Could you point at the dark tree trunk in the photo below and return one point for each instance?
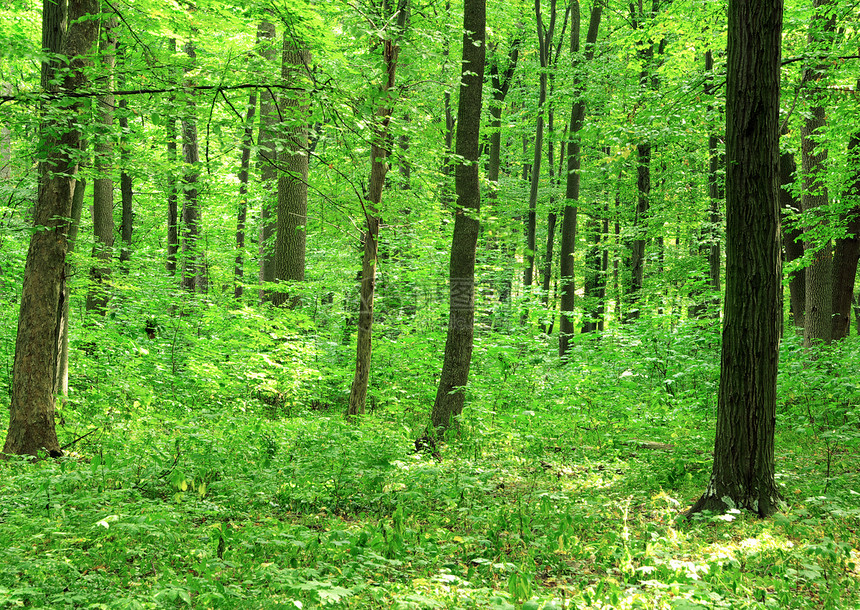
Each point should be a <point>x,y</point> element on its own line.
<point>450,395</point>
<point>574,148</point>
<point>847,252</point>
<point>125,181</point>
<point>791,237</point>
<point>172,190</point>
<point>242,214</point>
<point>34,370</point>
<point>193,268</point>
<point>743,470</point>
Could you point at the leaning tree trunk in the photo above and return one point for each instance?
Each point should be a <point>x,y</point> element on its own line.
<point>743,469</point>
<point>34,370</point>
<point>379,153</point>
<point>450,396</point>
<point>293,179</point>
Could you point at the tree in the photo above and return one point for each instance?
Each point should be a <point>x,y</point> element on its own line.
<point>743,469</point>
<point>450,396</point>
<point>267,158</point>
<point>66,32</point>
<point>292,213</point>
<point>574,162</point>
<point>103,227</point>
<point>242,214</point>
<point>818,325</point>
<point>846,252</point>
<point>379,152</point>
<point>193,268</point>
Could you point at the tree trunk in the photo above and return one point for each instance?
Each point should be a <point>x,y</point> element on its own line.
<point>172,190</point>
<point>379,154</point>
<point>125,182</point>
<point>34,382</point>
<point>450,395</point>
<point>242,214</point>
<point>818,323</point>
<point>103,227</point>
<point>193,269</point>
<point>743,469</point>
<point>792,236</point>
<point>293,176</point>
<point>267,159</point>
<point>577,116</point>
<point>847,252</point>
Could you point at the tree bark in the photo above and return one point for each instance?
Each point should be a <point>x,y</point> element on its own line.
<point>450,395</point>
<point>847,251</point>
<point>34,371</point>
<point>242,214</point>
<point>103,226</point>
<point>172,190</point>
<point>292,214</point>
<point>193,268</point>
<point>125,181</point>
<point>818,323</point>
<point>379,153</point>
<point>743,469</point>
<point>791,237</point>
<point>267,159</point>
<point>574,161</point>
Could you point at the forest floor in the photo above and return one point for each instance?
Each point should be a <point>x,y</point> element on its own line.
<point>523,509</point>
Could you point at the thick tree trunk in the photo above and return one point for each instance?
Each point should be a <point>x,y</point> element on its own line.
<point>34,371</point>
<point>450,395</point>
<point>242,214</point>
<point>574,148</point>
<point>379,154</point>
<point>267,159</point>
<point>103,226</point>
<point>293,178</point>
<point>791,237</point>
<point>743,470</point>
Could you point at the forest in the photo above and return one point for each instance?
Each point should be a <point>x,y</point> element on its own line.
<point>430,304</point>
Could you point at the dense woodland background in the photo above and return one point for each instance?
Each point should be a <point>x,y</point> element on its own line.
<point>245,167</point>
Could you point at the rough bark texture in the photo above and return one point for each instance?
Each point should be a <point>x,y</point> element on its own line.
<point>32,408</point>
<point>103,228</point>
<point>791,237</point>
<point>574,148</point>
<point>450,395</point>
<point>267,159</point>
<point>172,191</point>
<point>743,470</point>
<point>242,214</point>
<point>847,252</point>
<point>818,323</point>
<point>292,214</point>
<point>379,154</point>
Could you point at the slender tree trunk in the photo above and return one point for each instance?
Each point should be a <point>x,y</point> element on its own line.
<point>574,161</point>
<point>34,370</point>
<point>847,251</point>
<point>450,395</point>
<point>379,154</point>
<point>242,214</point>
<point>743,470</point>
<point>5,142</point>
<point>193,268</point>
<point>103,226</point>
<point>716,193</point>
<point>172,190</point>
<point>125,181</point>
<point>267,159</point>
<point>792,237</point>
<point>818,323</point>
<point>293,178</point>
